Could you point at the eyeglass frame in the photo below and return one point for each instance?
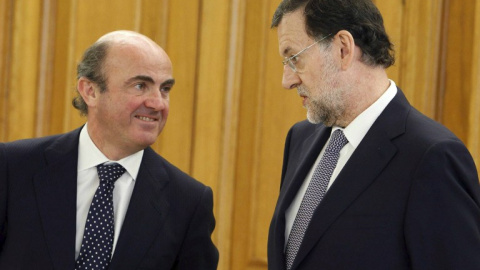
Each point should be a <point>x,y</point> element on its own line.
<point>288,60</point>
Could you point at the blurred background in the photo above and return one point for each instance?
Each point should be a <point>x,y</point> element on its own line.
<point>228,113</point>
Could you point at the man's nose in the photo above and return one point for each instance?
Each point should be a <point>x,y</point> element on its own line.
<point>156,100</point>
<point>290,79</point>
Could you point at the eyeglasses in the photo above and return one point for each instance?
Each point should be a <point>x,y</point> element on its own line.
<point>292,60</point>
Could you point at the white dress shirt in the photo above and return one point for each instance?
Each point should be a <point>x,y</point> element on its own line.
<point>354,132</point>
<point>89,156</point>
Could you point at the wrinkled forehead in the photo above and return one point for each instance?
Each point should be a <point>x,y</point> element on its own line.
<point>292,33</point>
<point>128,60</point>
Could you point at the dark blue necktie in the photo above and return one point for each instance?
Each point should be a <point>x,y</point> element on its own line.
<point>97,243</point>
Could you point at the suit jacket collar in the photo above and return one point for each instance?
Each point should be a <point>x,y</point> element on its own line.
<point>311,146</point>
<point>369,159</point>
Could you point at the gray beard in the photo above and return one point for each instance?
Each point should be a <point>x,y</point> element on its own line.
<point>323,114</point>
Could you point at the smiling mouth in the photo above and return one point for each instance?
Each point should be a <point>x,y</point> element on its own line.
<point>147,119</point>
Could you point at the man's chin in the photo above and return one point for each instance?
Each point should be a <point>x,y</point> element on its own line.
<point>313,119</point>
<point>146,139</point>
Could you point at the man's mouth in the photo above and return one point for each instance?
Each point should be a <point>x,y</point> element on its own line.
<point>145,118</point>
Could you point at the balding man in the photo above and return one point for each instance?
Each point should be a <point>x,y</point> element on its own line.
<point>99,197</point>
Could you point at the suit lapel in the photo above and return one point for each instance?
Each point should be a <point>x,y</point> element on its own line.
<point>362,169</point>
<point>359,173</point>
<point>145,215</point>
<point>311,146</point>
<point>56,188</point>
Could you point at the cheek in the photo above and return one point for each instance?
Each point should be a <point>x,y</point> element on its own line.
<point>165,108</point>
<point>131,104</point>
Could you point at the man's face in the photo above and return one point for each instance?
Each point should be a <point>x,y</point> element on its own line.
<point>318,77</point>
<point>133,110</point>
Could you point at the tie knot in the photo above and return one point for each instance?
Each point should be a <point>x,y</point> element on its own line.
<point>338,139</point>
<point>110,172</point>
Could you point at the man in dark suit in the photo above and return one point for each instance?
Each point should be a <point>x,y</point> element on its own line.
<point>163,219</point>
<point>368,182</point>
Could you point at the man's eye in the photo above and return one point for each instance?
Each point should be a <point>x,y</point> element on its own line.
<point>294,59</point>
<point>166,89</point>
<point>140,86</point>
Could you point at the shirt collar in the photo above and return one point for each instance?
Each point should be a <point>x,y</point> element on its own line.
<point>90,156</point>
<point>359,127</point>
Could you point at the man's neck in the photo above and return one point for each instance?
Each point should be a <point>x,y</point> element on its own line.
<point>368,85</point>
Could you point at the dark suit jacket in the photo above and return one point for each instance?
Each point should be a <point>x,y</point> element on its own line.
<point>408,198</point>
<point>167,225</point>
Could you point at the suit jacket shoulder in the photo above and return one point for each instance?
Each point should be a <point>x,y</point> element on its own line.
<point>169,221</point>
<point>39,176</point>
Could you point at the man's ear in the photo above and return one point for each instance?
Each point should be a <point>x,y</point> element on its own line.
<point>347,48</point>
<point>87,88</point>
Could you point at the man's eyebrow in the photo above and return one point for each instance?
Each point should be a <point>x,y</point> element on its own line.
<point>140,78</point>
<point>149,80</point>
<point>170,82</point>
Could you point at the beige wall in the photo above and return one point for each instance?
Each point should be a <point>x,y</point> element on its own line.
<point>229,115</point>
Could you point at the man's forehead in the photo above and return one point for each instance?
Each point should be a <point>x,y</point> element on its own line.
<point>133,65</point>
<point>137,53</point>
<point>132,43</point>
<point>291,32</point>
<point>293,20</point>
